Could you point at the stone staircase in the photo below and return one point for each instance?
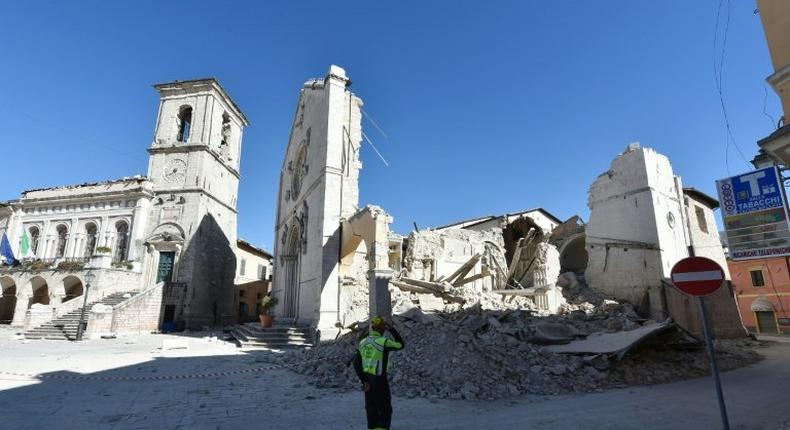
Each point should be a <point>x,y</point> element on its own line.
<point>281,336</point>
<point>65,327</point>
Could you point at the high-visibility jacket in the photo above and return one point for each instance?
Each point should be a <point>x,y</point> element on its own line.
<point>372,351</point>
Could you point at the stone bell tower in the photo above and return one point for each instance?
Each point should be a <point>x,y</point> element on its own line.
<point>194,167</point>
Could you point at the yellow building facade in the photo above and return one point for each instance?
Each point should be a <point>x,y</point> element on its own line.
<point>775,15</point>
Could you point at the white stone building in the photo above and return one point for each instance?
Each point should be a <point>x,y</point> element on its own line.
<point>171,234</point>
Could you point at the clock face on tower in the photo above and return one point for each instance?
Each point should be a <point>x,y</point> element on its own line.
<point>175,171</point>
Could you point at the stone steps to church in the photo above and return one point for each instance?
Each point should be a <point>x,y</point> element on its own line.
<point>281,338</point>
<point>257,330</point>
<point>65,327</point>
<point>274,337</point>
<point>34,337</point>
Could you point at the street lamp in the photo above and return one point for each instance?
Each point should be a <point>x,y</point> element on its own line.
<point>89,277</point>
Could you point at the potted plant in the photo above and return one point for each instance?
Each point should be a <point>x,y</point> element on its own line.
<point>267,302</point>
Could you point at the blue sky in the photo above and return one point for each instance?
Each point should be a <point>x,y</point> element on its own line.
<point>489,107</point>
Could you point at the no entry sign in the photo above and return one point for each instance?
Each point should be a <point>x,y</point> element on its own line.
<point>697,276</point>
<point>700,276</point>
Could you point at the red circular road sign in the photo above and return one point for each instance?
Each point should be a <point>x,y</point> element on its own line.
<point>697,276</point>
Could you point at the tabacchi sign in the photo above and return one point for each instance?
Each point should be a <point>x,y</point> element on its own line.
<point>755,214</point>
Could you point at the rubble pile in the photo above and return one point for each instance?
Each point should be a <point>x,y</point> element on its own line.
<point>409,293</point>
<point>491,354</point>
<point>484,318</point>
<point>578,296</point>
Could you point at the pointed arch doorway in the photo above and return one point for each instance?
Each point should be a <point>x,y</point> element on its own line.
<point>291,266</point>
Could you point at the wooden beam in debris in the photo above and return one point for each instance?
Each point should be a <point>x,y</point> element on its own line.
<point>418,289</point>
<point>516,257</point>
<point>525,292</point>
<point>464,269</point>
<point>410,288</point>
<point>500,276</point>
<point>472,278</point>
<point>433,286</point>
<point>526,251</point>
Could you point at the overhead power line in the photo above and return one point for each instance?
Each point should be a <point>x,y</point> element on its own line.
<point>374,148</point>
<point>372,121</point>
<point>71,133</point>
<point>718,70</point>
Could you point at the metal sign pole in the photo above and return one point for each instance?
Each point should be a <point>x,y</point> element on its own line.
<point>713,363</point>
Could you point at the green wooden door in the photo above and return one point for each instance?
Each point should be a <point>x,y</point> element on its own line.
<point>766,322</point>
<point>165,271</point>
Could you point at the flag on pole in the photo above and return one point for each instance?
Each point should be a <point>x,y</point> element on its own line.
<point>25,250</point>
<point>6,254</point>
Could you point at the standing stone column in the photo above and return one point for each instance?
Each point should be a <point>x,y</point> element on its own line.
<point>380,300</point>
<point>102,239</point>
<point>43,241</point>
<point>71,241</point>
<point>138,227</point>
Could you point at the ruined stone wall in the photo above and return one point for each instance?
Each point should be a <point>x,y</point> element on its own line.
<point>544,222</point>
<point>639,229</point>
<point>635,233</point>
<point>431,255</point>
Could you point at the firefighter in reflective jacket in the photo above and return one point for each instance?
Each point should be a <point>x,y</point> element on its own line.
<point>371,366</point>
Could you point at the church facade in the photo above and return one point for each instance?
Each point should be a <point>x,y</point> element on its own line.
<point>175,227</point>
<point>331,255</point>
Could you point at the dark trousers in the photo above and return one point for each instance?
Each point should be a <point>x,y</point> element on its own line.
<point>378,402</point>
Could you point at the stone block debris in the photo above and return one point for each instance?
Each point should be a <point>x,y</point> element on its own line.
<point>617,343</point>
<point>169,344</point>
<point>486,354</point>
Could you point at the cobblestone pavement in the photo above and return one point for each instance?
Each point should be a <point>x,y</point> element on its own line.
<point>136,392</point>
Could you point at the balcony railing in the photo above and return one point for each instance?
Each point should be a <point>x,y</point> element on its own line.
<point>30,265</point>
<point>76,259</point>
<point>123,264</point>
<point>63,263</point>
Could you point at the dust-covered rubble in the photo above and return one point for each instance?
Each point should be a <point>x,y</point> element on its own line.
<point>477,328</point>
<point>476,353</point>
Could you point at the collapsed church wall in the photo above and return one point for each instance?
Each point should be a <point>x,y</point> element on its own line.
<point>457,268</point>
<point>434,255</point>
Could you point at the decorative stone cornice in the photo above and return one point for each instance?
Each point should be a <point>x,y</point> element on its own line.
<point>780,77</point>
